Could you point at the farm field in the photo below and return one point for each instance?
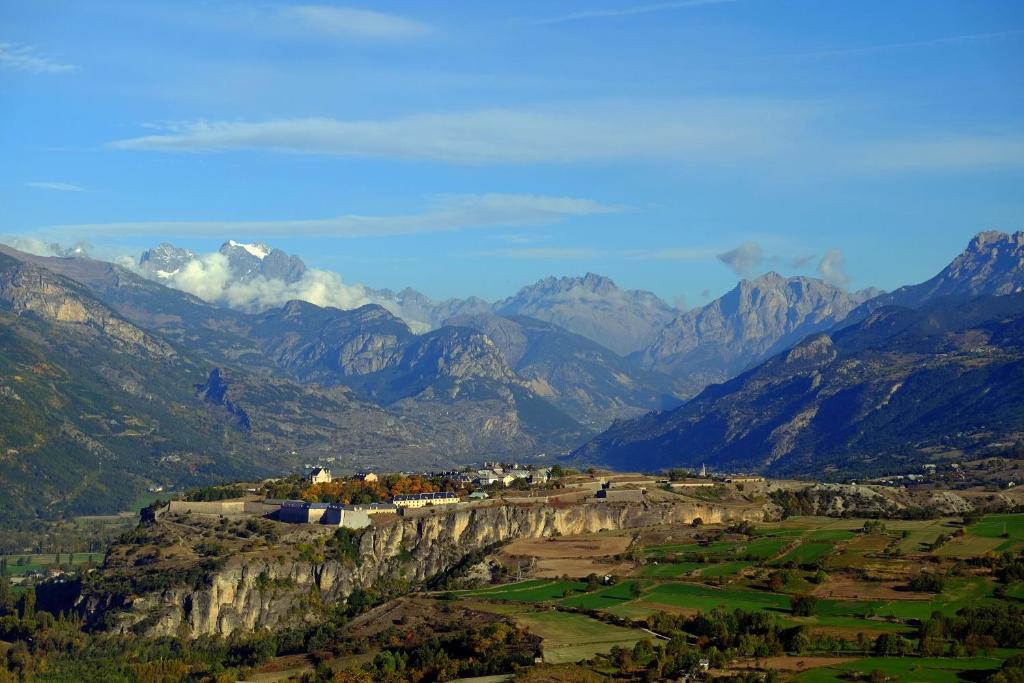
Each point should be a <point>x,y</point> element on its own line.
<point>30,563</point>
<point>862,590</point>
<point>669,570</point>
<point>806,553</point>
<point>904,669</point>
<point>1008,528</point>
<point>699,597</point>
<point>527,591</point>
<point>573,637</point>
<point>605,598</point>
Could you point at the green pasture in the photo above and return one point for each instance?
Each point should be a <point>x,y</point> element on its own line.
<point>712,571</point>
<point>41,562</point>
<point>905,669</point>
<point>570,637</point>
<point>603,598</point>
<point>669,570</point>
<point>527,591</point>
<point>700,597</point>
<point>806,553</point>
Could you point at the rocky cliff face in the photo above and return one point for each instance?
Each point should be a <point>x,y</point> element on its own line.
<point>27,288</point>
<point>751,322</point>
<point>992,263</point>
<point>594,307</point>
<point>591,383</point>
<point>257,590</point>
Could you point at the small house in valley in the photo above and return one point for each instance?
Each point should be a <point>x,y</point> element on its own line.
<point>320,475</point>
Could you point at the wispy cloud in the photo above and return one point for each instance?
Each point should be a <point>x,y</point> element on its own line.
<point>745,260</point>
<point>943,152</point>
<point>711,130</point>
<point>832,268</point>
<point>350,22</point>
<point>933,42</point>
<point>448,213</point>
<point>633,10</point>
<point>60,187</point>
<point>23,58</point>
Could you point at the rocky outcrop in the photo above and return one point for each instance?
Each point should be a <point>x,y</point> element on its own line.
<point>751,322</point>
<point>992,263</point>
<point>27,288</point>
<point>594,307</point>
<point>874,398</point>
<point>258,590</point>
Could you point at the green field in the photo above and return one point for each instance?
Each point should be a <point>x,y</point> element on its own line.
<point>670,570</point>
<point>537,590</point>
<point>957,594</point>
<point>831,535</point>
<point>604,598</point>
<point>699,597</point>
<point>712,571</point>
<point>759,549</point>
<point>1009,527</point>
<point>41,562</point>
<point>572,637</point>
<point>806,553</point>
<point>904,669</point>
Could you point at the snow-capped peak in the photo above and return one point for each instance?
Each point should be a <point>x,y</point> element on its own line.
<point>258,250</point>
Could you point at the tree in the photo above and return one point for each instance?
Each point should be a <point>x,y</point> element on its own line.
<point>803,605</point>
<point>890,645</point>
<point>27,609</point>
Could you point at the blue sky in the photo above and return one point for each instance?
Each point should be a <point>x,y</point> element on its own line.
<point>469,148</point>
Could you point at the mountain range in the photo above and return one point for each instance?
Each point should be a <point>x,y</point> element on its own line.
<point>930,368</point>
<point>111,380</point>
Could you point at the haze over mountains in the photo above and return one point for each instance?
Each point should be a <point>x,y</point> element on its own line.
<point>131,382</point>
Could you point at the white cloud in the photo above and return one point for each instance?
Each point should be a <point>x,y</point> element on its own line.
<point>350,22</point>
<point>60,187</point>
<point>630,11</point>
<point>708,130</point>
<point>209,277</point>
<point>944,152</point>
<point>448,213</point>
<point>832,268</point>
<point>23,58</point>
<point>745,259</point>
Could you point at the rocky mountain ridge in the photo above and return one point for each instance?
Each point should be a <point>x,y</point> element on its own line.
<point>754,320</point>
<point>874,397</point>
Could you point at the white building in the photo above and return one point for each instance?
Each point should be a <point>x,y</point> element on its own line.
<point>418,500</point>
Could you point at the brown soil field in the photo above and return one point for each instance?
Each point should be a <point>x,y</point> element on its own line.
<point>847,588</point>
<point>568,547</point>
<point>872,543</point>
<point>552,568</point>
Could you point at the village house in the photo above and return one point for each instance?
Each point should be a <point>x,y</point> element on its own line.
<point>320,475</point>
<point>366,476</point>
